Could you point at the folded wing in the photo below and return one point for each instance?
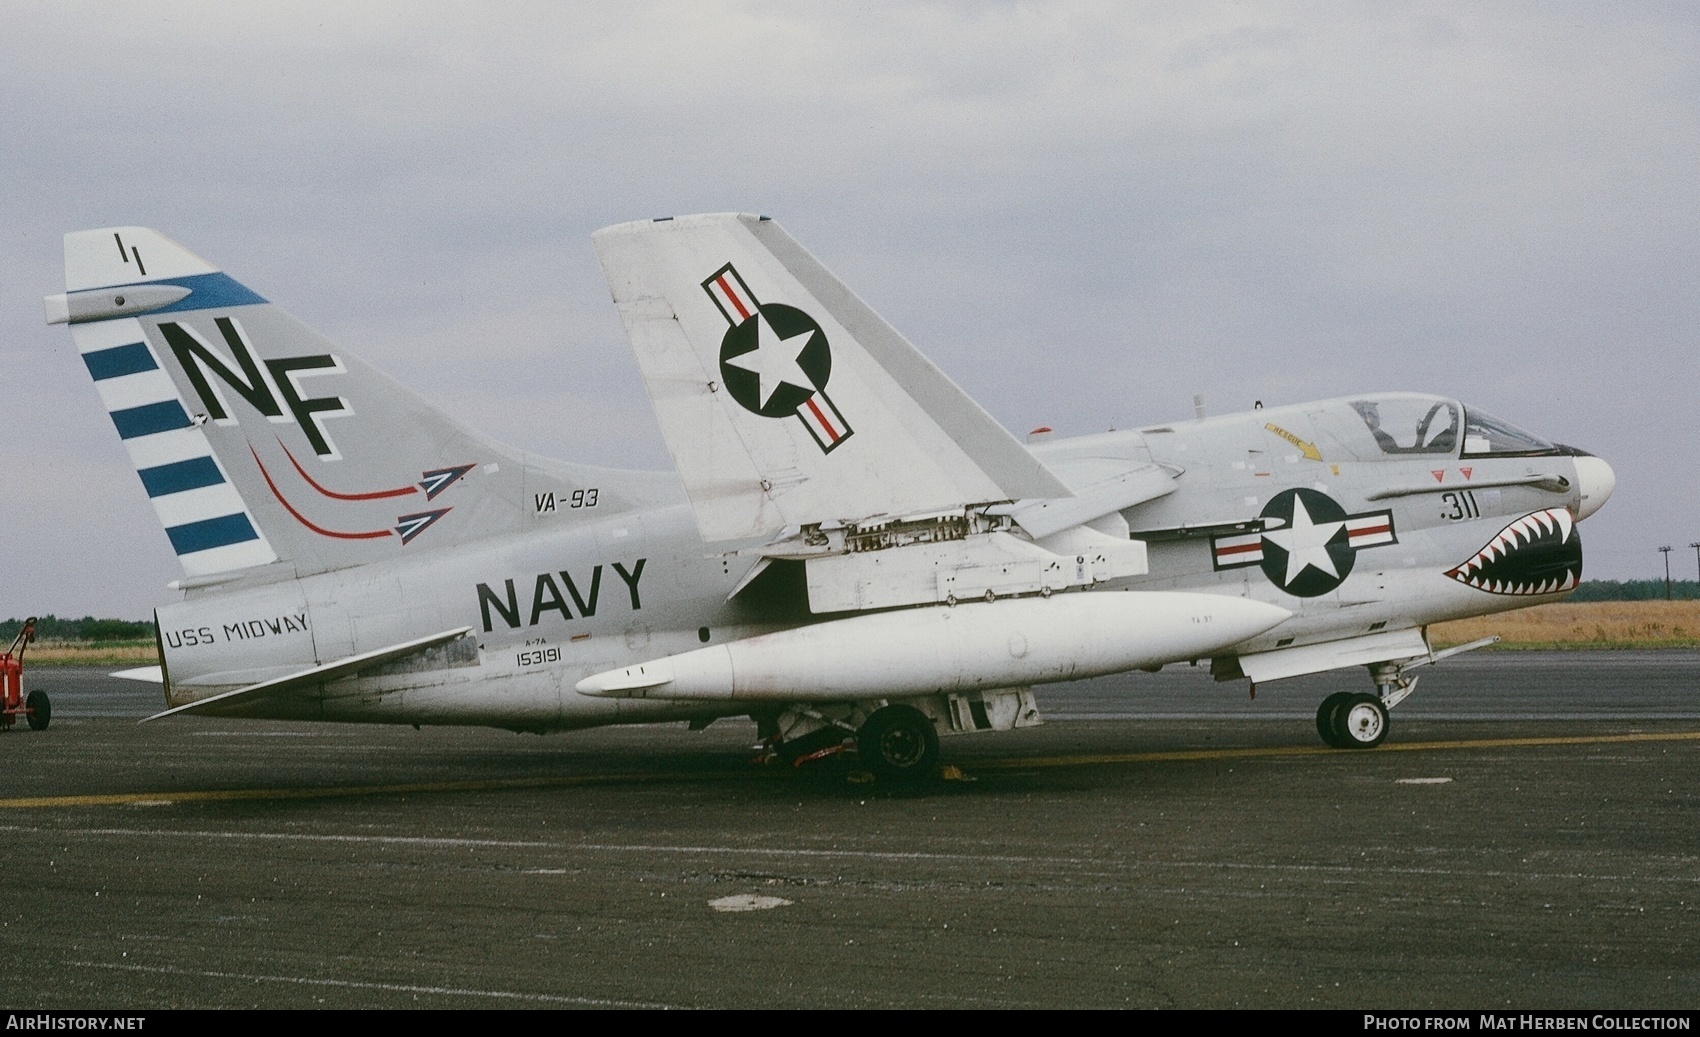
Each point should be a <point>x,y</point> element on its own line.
<point>784,399</point>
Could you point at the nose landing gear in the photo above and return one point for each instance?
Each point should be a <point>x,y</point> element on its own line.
<point>1358,720</point>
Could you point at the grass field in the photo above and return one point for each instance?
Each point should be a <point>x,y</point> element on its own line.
<point>1579,625</point>
<point>116,654</point>
<point>1582,625</point>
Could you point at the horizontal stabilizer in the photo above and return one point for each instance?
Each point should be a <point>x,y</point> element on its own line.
<point>785,399</point>
<point>318,674</point>
<point>147,674</point>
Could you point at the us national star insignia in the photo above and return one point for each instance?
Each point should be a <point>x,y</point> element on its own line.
<point>1308,544</point>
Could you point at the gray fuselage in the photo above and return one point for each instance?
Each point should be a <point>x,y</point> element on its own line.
<point>550,607</point>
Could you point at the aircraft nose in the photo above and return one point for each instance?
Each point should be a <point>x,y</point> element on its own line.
<point>1597,481</point>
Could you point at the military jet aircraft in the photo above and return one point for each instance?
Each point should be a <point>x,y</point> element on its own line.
<point>852,552</point>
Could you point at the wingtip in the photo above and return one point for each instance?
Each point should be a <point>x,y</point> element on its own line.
<point>667,223</point>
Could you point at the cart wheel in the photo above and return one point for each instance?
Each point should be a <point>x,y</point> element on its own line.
<point>40,710</point>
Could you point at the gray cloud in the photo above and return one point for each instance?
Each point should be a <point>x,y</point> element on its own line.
<point>1084,212</point>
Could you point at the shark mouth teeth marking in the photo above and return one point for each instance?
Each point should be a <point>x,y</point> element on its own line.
<point>1540,553</point>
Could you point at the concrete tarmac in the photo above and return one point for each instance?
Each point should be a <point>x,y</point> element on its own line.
<point>1527,838</point>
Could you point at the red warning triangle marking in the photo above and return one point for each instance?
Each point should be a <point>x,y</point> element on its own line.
<point>1438,473</point>
<point>1466,472</point>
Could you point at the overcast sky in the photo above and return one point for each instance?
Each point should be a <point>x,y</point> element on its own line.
<point>1083,212</point>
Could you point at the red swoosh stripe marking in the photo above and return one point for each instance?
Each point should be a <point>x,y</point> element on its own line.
<point>376,495</point>
<point>322,531</point>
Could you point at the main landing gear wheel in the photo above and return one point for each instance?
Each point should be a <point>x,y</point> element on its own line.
<point>41,710</point>
<point>898,743</point>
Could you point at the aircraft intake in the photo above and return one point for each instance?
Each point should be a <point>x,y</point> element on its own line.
<point>942,650</point>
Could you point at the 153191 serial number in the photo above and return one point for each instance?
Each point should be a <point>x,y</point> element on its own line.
<point>538,656</point>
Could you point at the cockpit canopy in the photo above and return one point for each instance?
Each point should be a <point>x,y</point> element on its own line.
<point>1413,424</point>
<point>1485,434</point>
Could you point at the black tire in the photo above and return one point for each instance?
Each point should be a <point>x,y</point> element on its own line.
<point>1360,722</point>
<point>41,710</point>
<point>1325,718</point>
<point>899,743</point>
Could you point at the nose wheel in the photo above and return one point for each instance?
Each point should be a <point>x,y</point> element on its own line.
<point>1352,720</point>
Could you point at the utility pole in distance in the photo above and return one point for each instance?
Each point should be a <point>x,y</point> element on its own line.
<point>1666,552</point>
<point>1696,547</point>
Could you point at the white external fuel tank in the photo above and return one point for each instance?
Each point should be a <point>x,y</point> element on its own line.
<point>942,649</point>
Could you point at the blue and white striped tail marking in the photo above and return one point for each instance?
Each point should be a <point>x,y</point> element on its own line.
<point>209,526</point>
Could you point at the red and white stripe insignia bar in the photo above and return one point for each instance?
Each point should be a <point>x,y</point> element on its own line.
<point>729,292</point>
<point>823,421</point>
<point>1233,552</point>
<point>1370,530</point>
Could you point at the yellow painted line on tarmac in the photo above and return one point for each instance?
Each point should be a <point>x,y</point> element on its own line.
<point>333,792</point>
<point>567,781</point>
<point>1088,760</point>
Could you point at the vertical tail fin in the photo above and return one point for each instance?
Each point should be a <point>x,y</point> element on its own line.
<point>259,442</point>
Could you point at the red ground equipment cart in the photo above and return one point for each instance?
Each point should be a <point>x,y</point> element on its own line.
<point>13,703</point>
